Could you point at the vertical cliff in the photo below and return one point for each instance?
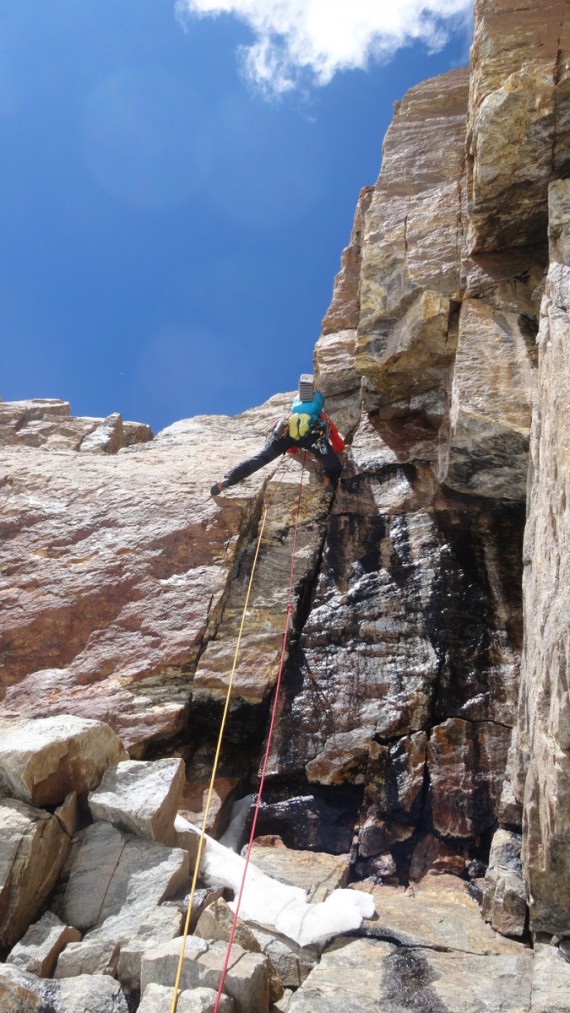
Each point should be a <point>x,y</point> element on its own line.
<point>543,731</point>
<point>440,334</point>
<point>420,584</point>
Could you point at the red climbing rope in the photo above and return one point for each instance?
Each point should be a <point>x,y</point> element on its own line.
<point>268,743</point>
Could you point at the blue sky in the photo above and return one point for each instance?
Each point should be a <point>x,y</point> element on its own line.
<point>177,183</point>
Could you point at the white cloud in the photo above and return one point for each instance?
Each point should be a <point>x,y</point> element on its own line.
<point>318,38</point>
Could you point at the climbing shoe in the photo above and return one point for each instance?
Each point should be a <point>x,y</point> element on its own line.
<point>218,487</point>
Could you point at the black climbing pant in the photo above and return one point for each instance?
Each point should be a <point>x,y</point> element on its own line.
<point>275,446</point>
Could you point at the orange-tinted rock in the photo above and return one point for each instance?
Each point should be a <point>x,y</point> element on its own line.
<point>466,761</point>
<point>434,856</point>
<point>195,797</point>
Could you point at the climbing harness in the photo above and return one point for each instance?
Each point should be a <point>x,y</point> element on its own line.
<point>219,747</point>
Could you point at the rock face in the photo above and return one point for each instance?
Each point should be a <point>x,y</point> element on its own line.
<point>423,724</point>
<point>117,568</point>
<point>519,124</point>
<point>543,731</point>
<point>405,678</point>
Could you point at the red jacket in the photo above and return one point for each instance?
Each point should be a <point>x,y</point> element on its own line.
<point>335,439</point>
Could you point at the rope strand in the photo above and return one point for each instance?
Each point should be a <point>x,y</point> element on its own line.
<point>215,769</point>
<point>268,744</point>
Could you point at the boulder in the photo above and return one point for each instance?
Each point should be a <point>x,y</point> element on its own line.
<point>90,994</point>
<point>217,922</point>
<point>40,947</point>
<point>112,871</point>
<point>45,759</point>
<point>160,924</point>
<point>504,892</point>
<point>96,954</point>
<point>19,991</point>
<point>140,797</point>
<point>315,872</point>
<point>246,980</point>
<point>107,438</point>
<point>158,999</point>
<point>34,849</point>
<point>117,945</point>
<point>22,992</point>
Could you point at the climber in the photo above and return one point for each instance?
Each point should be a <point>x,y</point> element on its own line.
<point>307,427</point>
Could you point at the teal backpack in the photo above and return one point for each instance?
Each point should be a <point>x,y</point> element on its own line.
<point>305,418</point>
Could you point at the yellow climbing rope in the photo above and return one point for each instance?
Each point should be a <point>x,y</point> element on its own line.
<point>269,739</point>
<point>215,767</point>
